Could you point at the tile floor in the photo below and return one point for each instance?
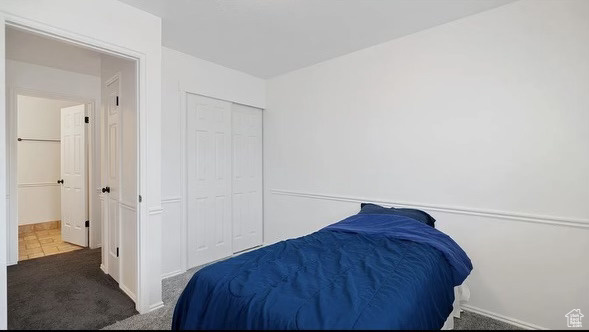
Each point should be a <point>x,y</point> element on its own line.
<point>34,242</point>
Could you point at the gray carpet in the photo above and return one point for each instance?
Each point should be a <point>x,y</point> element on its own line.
<point>471,321</point>
<point>161,319</point>
<point>66,291</point>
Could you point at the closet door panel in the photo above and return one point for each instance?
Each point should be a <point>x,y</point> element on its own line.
<point>208,152</point>
<point>247,177</point>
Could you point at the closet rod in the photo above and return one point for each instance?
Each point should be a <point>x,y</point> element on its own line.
<point>38,140</point>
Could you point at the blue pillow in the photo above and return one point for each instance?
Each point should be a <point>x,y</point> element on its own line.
<point>421,216</point>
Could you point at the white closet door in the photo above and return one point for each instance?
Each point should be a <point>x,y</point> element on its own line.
<point>247,177</point>
<point>209,179</point>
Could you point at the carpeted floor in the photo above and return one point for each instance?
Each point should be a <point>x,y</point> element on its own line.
<point>161,319</point>
<point>471,321</point>
<point>66,291</point>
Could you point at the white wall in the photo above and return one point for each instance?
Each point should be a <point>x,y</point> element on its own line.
<point>39,78</point>
<point>481,121</point>
<point>38,164</point>
<point>181,73</point>
<point>120,28</point>
<point>126,70</point>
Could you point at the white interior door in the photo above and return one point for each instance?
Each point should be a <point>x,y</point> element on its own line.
<point>112,176</point>
<point>247,177</point>
<point>209,179</point>
<point>74,192</point>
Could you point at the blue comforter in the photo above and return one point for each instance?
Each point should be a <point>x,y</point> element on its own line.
<point>365,272</point>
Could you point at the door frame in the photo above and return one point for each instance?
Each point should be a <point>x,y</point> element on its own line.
<point>144,281</point>
<point>12,171</point>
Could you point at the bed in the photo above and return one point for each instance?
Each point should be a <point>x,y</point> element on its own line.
<point>368,271</point>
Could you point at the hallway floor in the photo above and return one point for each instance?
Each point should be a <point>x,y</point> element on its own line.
<point>39,240</point>
<point>67,291</point>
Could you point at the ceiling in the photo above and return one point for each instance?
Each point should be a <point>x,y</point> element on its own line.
<point>36,49</point>
<point>267,38</point>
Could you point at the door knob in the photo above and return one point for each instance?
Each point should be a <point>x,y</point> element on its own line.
<point>106,190</point>
<point>60,181</point>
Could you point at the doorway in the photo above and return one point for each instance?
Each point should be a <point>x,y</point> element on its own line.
<point>93,173</point>
<point>52,176</point>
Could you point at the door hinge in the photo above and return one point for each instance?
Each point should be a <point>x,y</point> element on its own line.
<point>117,100</point>
<point>87,119</point>
<point>140,199</point>
<point>117,251</point>
<point>87,223</point>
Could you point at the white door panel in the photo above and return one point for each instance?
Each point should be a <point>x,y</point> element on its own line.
<point>112,178</point>
<point>74,207</point>
<point>208,152</point>
<point>247,177</point>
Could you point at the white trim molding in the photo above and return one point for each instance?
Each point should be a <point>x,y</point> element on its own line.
<point>524,217</point>
<point>156,306</point>
<point>38,184</point>
<point>155,210</point>
<point>128,292</point>
<point>170,200</point>
<point>127,206</point>
<point>172,274</point>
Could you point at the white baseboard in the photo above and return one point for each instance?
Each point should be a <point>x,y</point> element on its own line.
<point>103,268</point>
<point>220,259</point>
<point>128,292</point>
<point>248,250</point>
<point>502,318</point>
<point>172,274</point>
<point>156,306</point>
